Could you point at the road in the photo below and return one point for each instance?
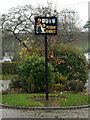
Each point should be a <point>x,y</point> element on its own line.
<point>13,113</point>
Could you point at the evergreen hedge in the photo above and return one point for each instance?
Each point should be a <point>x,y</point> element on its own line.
<point>9,67</point>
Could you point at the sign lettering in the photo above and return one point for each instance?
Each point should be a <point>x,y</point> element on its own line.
<point>46,25</point>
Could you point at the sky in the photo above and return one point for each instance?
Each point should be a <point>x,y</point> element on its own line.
<point>80,6</point>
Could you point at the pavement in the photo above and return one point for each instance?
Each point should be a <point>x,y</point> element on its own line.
<point>4,84</point>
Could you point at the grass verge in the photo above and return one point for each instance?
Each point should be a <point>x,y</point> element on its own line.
<point>24,99</point>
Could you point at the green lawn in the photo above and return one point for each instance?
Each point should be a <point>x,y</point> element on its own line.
<point>7,76</point>
<point>74,100</point>
<point>19,100</point>
<point>24,99</point>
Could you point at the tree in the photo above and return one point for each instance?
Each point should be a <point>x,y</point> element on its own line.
<point>69,25</point>
<point>20,20</point>
<point>87,25</point>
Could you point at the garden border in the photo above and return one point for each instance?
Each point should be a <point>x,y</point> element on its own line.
<point>44,108</point>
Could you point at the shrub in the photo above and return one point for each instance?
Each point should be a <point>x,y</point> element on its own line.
<point>69,62</point>
<point>58,78</point>
<point>27,84</point>
<point>31,70</point>
<point>58,87</point>
<point>15,83</point>
<point>75,85</point>
<point>9,67</point>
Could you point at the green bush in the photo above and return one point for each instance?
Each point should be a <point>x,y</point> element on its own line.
<point>58,87</point>
<point>27,85</point>
<point>75,85</point>
<point>58,78</point>
<point>70,62</point>
<point>31,70</point>
<point>9,67</point>
<point>15,83</point>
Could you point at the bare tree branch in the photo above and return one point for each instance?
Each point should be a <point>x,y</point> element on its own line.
<point>21,20</point>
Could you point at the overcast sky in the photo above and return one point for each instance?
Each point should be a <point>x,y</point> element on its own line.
<point>80,6</point>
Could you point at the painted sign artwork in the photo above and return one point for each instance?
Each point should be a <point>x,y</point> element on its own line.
<point>46,25</point>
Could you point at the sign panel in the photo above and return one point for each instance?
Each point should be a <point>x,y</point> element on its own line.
<point>46,25</point>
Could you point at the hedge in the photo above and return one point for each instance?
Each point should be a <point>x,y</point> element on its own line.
<point>9,67</point>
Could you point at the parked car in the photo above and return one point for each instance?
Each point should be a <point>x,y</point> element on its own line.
<point>7,60</point>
